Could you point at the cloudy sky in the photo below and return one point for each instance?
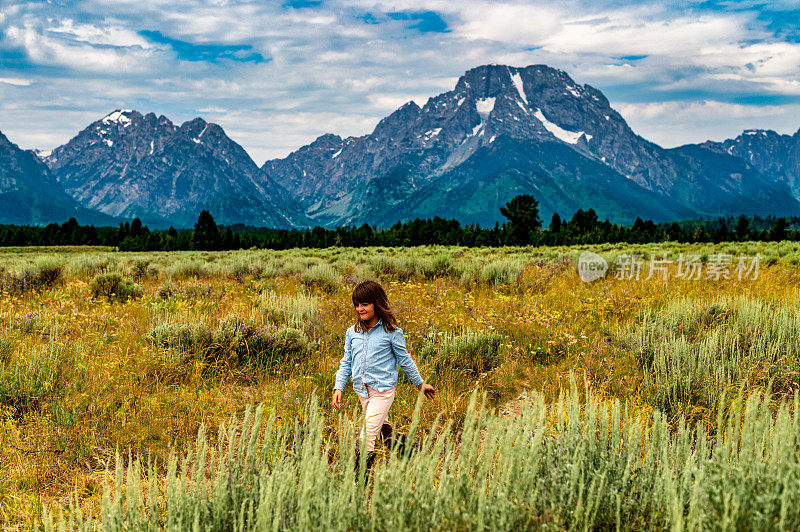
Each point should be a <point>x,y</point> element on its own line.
<point>276,75</point>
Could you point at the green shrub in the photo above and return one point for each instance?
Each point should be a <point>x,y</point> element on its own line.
<point>41,275</point>
<point>441,265</point>
<point>472,353</point>
<point>33,377</point>
<point>322,275</point>
<point>233,341</point>
<point>114,287</point>
<point>399,268</point>
<point>142,270</point>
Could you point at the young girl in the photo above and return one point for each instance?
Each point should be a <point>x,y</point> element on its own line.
<point>373,348</point>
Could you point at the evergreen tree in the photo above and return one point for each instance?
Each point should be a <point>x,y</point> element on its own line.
<point>742,227</point>
<point>136,227</point>
<point>555,223</point>
<point>206,234</point>
<point>778,231</point>
<point>523,217</point>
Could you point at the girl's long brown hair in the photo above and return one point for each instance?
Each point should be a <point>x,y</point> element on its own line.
<point>372,292</point>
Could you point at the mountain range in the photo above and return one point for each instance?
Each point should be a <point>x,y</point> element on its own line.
<point>500,132</point>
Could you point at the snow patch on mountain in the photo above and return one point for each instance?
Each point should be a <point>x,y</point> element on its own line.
<point>517,79</point>
<point>484,106</point>
<point>560,133</point>
<point>118,117</point>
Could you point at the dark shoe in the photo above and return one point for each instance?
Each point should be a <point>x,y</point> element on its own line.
<point>393,439</point>
<point>386,432</point>
<point>368,462</point>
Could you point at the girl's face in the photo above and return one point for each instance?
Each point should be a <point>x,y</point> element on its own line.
<point>365,311</point>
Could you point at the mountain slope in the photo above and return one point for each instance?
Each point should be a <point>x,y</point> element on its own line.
<point>562,180</point>
<point>30,195</point>
<point>774,155</point>
<point>420,155</point>
<point>128,164</point>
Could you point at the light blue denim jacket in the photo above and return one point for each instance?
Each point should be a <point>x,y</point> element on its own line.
<point>372,358</point>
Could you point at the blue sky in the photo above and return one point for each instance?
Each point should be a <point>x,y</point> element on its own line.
<point>278,74</point>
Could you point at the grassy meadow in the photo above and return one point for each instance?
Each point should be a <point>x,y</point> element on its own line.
<point>191,390</point>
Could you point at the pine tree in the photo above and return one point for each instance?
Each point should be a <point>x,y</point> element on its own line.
<point>742,227</point>
<point>555,223</point>
<point>206,234</point>
<point>779,230</point>
<point>523,217</point>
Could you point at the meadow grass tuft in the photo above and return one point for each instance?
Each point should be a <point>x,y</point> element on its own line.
<point>115,287</point>
<point>232,341</point>
<point>471,353</point>
<point>30,378</point>
<point>693,351</point>
<point>44,273</point>
<point>579,463</point>
<point>299,311</point>
<point>322,275</point>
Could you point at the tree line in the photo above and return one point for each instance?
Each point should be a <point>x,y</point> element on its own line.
<point>523,226</point>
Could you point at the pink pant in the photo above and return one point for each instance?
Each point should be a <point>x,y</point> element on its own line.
<point>376,412</point>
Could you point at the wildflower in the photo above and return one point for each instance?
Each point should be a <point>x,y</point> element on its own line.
<point>286,395</point>
<point>297,400</point>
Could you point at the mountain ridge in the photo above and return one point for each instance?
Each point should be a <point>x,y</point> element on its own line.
<point>500,131</point>
<point>29,192</point>
<point>535,104</point>
<point>127,164</point>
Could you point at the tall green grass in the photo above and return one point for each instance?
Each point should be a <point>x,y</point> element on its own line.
<point>692,351</point>
<point>470,354</point>
<point>299,311</point>
<point>33,375</point>
<point>231,341</point>
<point>578,464</point>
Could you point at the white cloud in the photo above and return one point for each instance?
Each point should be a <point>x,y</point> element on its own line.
<point>331,72</point>
<point>92,34</point>
<point>674,123</point>
<point>19,82</point>
<point>625,33</point>
<point>43,49</point>
<point>525,25</point>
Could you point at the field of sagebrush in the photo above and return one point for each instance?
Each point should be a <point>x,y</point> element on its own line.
<point>126,381</point>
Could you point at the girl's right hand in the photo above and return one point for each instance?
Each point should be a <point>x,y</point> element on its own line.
<point>427,389</point>
<point>337,399</point>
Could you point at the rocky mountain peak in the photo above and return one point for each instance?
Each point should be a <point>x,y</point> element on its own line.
<point>517,117</point>
<point>120,116</point>
<point>398,123</point>
<point>128,164</point>
<point>29,193</point>
<point>327,141</point>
